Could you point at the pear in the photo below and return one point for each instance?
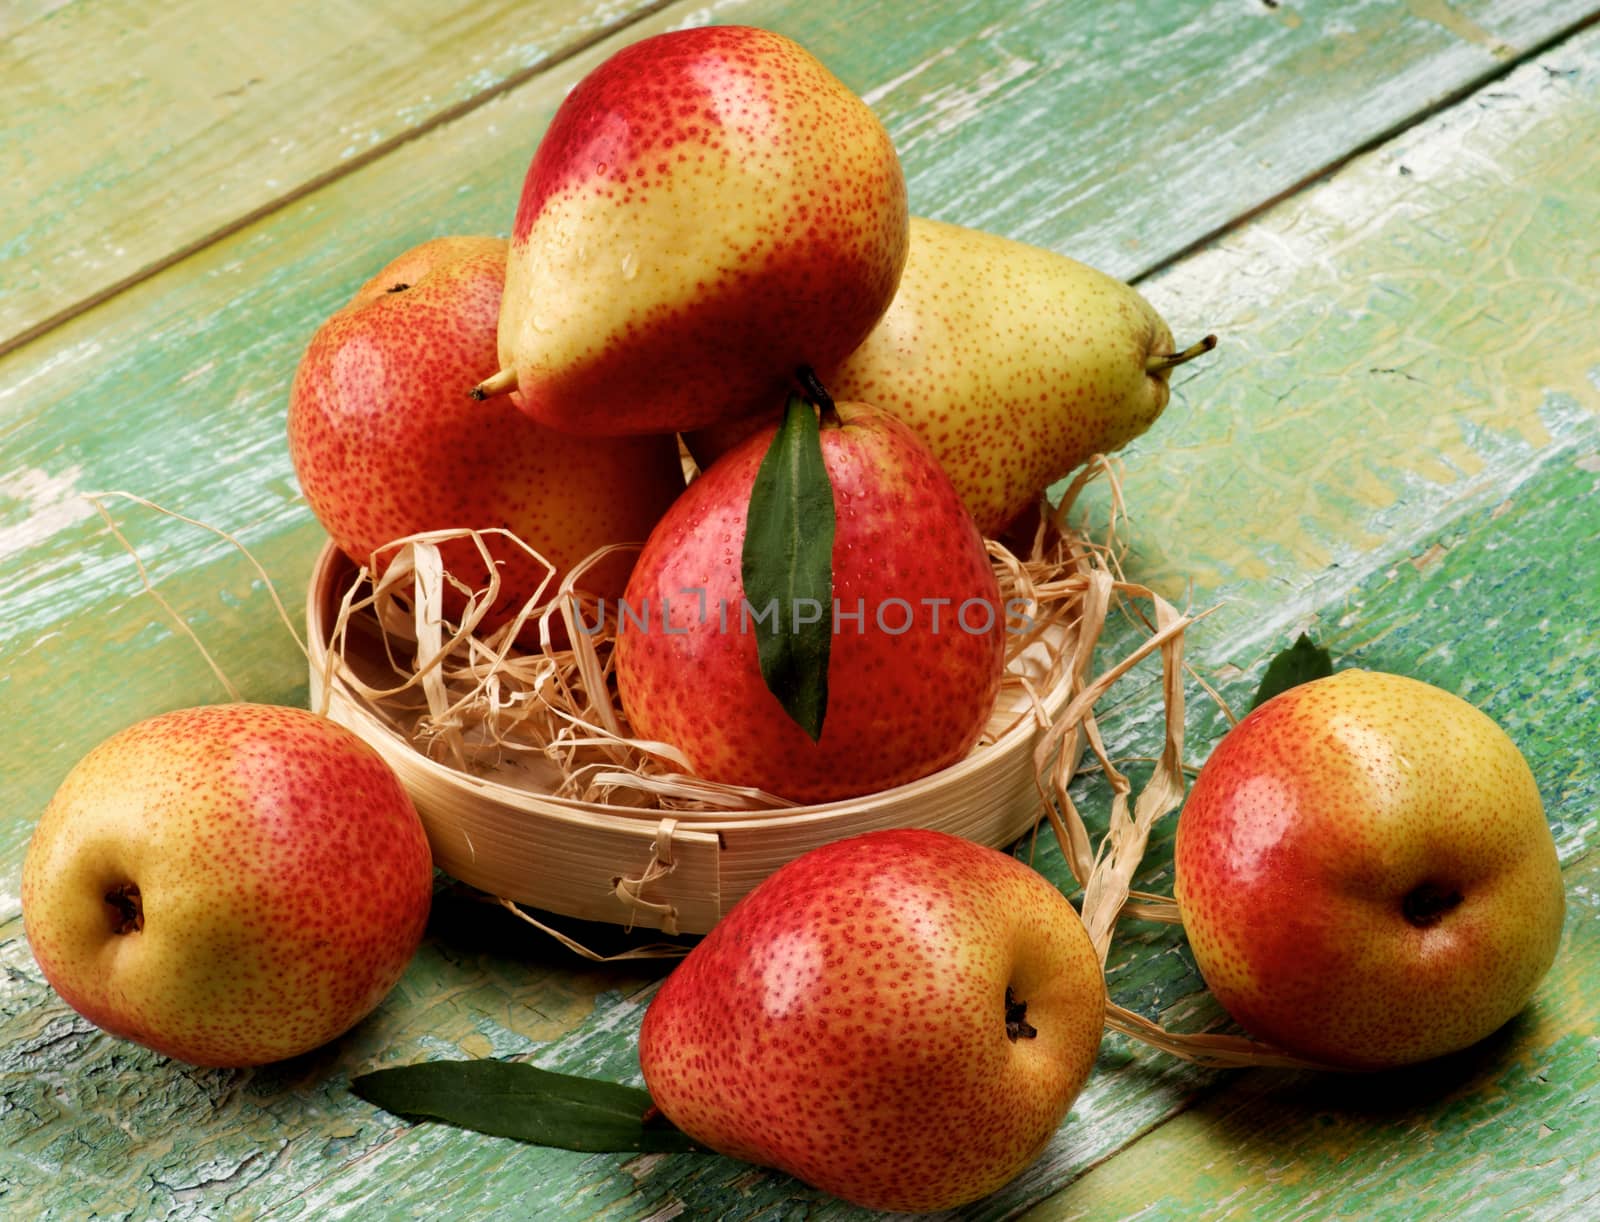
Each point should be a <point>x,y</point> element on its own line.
<point>229,885</point>
<point>902,1018</point>
<point>385,444</point>
<point>709,210</point>
<point>1014,363</point>
<point>917,642</point>
<point>1366,874</point>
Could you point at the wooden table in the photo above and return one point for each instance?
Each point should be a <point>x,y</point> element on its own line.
<point>1388,211</point>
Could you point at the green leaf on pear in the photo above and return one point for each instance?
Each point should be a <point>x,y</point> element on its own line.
<point>521,1101</point>
<point>787,567</point>
<point>1301,662</point>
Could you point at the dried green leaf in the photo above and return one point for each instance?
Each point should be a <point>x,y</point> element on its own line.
<point>787,566</point>
<point>515,1099</point>
<point>1302,662</point>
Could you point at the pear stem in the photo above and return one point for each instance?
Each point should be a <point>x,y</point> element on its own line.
<point>817,393</point>
<point>500,383</point>
<point>1163,361</point>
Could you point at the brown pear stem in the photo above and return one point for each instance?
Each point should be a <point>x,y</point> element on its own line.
<point>1160,362</point>
<point>817,393</point>
<point>503,381</point>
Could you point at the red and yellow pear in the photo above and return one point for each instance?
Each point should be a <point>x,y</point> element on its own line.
<point>917,643</point>
<point>387,443</point>
<point>1014,363</point>
<point>901,1018</point>
<point>709,209</point>
<point>1365,872</point>
<point>228,885</point>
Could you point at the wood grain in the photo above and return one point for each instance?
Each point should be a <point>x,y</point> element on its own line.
<point>1135,1090</point>
<point>136,134</point>
<point>1396,447</point>
<point>176,388</point>
<point>141,136</point>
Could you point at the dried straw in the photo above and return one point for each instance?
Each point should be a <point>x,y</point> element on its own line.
<point>474,701</point>
<point>386,658</point>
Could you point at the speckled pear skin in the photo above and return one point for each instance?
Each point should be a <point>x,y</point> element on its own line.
<point>284,877</point>
<point>846,1021</point>
<point>1306,831</point>
<point>709,209</point>
<point>386,441</point>
<point>1014,363</point>
<point>909,690</point>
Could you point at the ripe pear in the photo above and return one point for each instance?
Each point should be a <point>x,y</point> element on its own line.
<point>386,444</point>
<point>228,885</point>
<point>902,1018</point>
<point>1014,363</point>
<point>918,630</point>
<point>709,210</point>
<point>1365,872</point>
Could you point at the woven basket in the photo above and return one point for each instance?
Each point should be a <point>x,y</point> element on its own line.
<point>505,833</point>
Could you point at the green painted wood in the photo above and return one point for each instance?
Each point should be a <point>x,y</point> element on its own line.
<point>135,133</point>
<point>1498,611</point>
<point>1388,621</point>
<point>94,1125</point>
<point>176,388</point>
<point>138,137</point>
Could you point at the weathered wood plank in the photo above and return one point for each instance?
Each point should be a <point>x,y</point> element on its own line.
<point>1410,335</point>
<point>133,138</point>
<point>1492,205</point>
<point>208,350</point>
<point>1388,621</point>
<point>1476,617</point>
<point>1498,611</point>
<point>287,1135</point>
<point>95,1126</point>
<point>1504,1130</point>
<point>135,133</point>
<point>1122,130</point>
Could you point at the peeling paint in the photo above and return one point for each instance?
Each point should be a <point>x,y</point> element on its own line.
<point>36,504</point>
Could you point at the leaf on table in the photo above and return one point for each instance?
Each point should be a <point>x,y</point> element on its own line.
<point>515,1099</point>
<point>787,567</point>
<point>1302,662</point>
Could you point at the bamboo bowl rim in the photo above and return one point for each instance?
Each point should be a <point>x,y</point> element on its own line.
<point>676,869</point>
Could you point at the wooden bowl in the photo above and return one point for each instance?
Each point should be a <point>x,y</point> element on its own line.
<point>680,871</point>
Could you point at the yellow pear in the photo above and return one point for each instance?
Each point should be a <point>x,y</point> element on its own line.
<point>902,1018</point>
<point>1014,363</point>
<point>1366,874</point>
<point>709,208</point>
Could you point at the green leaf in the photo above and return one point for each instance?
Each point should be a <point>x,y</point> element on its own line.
<point>514,1099</point>
<point>1302,662</point>
<point>787,567</point>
